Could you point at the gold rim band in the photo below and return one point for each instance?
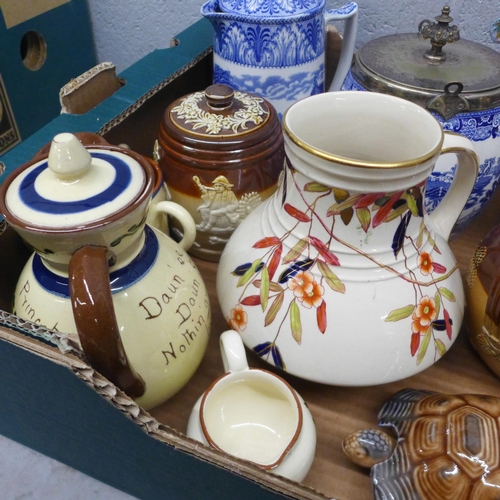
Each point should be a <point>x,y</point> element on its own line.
<point>359,163</point>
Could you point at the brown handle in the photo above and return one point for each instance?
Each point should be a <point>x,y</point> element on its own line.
<point>95,319</point>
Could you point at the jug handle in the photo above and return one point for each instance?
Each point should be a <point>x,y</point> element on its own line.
<point>349,14</point>
<point>95,319</point>
<point>233,352</point>
<point>183,216</point>
<point>450,207</point>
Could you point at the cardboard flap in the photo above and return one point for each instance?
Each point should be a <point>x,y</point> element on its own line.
<point>86,91</point>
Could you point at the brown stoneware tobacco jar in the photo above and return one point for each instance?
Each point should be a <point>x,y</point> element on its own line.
<point>221,154</point>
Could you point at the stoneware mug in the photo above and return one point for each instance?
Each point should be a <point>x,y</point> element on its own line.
<point>256,415</point>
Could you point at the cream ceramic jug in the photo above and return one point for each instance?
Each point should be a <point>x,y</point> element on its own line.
<point>133,295</point>
<point>256,415</point>
<point>342,277</point>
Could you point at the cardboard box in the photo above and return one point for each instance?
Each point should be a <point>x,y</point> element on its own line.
<point>44,44</point>
<point>54,402</point>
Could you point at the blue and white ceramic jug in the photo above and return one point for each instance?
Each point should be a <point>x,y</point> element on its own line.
<point>276,48</point>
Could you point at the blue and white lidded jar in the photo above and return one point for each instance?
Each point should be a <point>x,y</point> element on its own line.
<point>276,48</point>
<point>460,86</point>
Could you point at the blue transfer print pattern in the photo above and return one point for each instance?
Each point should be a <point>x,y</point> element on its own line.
<point>268,46</point>
<point>346,9</point>
<point>487,182</point>
<point>271,7</point>
<point>275,87</point>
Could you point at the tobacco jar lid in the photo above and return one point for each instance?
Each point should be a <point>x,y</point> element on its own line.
<point>219,112</point>
<point>435,68</point>
<point>74,186</point>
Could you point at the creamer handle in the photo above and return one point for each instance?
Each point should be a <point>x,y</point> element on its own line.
<point>450,207</point>
<point>95,319</point>
<point>349,14</point>
<point>233,352</point>
<point>182,215</point>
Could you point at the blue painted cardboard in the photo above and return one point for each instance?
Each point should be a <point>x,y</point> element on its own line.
<point>34,94</point>
<point>159,68</point>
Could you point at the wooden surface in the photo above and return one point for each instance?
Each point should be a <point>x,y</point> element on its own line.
<point>337,411</point>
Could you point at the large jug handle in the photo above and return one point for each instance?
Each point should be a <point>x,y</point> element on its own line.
<point>349,14</point>
<point>450,207</point>
<point>182,215</point>
<point>95,319</point>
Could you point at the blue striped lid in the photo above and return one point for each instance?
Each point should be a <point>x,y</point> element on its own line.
<point>41,197</point>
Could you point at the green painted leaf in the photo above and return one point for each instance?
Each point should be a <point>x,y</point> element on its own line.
<point>412,205</point>
<point>424,345</point>
<point>249,273</point>
<point>274,309</point>
<point>441,348</point>
<point>316,187</point>
<point>437,300</point>
<point>448,294</point>
<point>401,313</point>
<point>432,242</point>
<point>264,288</point>
<point>421,233</point>
<point>296,251</point>
<point>273,286</point>
<point>340,194</point>
<point>337,208</point>
<point>295,324</point>
<point>398,212</point>
<point>331,278</point>
<point>364,217</point>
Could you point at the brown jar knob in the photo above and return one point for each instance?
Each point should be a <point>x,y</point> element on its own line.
<point>219,96</point>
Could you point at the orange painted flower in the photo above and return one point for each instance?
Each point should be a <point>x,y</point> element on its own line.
<point>425,263</point>
<point>306,289</point>
<point>239,318</point>
<point>425,313</point>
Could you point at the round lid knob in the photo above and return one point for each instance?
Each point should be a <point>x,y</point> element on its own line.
<point>219,96</point>
<point>74,186</point>
<point>270,8</point>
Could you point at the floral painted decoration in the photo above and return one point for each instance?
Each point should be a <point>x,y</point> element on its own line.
<point>308,269</point>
